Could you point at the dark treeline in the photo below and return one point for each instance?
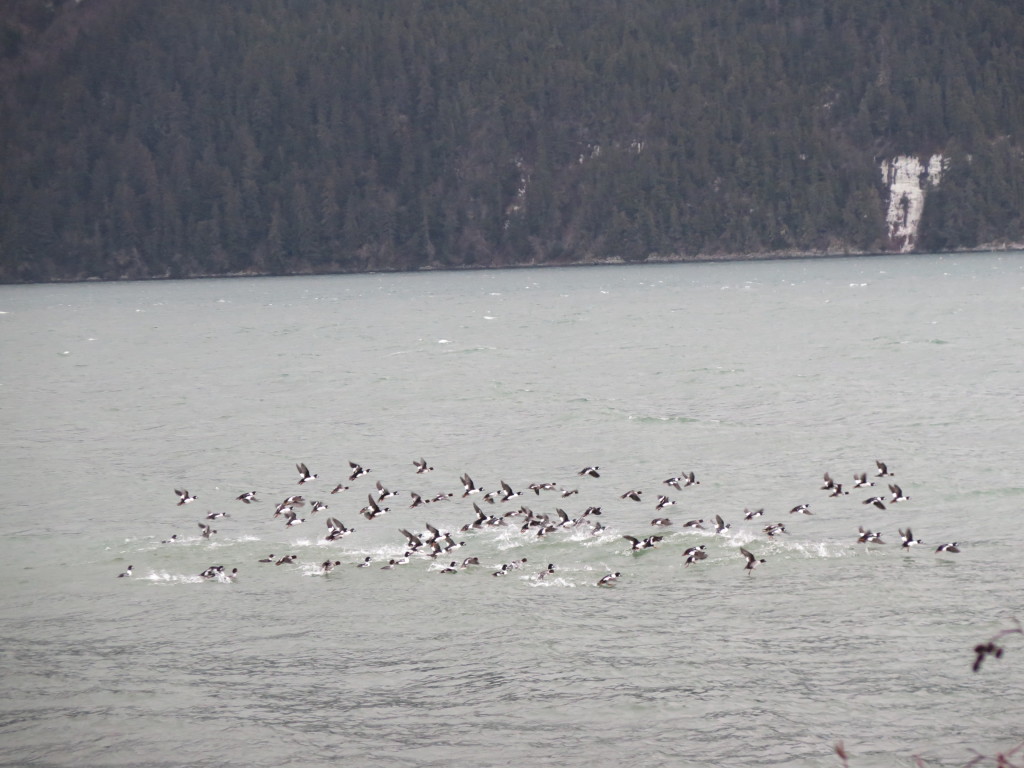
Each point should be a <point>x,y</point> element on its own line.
<point>184,137</point>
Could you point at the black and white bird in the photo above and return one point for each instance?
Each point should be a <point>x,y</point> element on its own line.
<point>291,519</point>
<point>469,486</point>
<point>609,580</point>
<point>336,529</point>
<point>661,522</point>
<point>953,547</point>
<point>126,573</point>
<point>357,471</point>
<point>305,476</point>
<point>328,565</point>
<point>695,554</point>
<point>373,509</point>
<point>897,494</point>
<point>207,531</point>
<point>804,509</point>
<point>184,497</point>
<point>750,514</point>
<point>663,501</point>
<point>421,466</point>
<point>591,471</point>
<point>774,530</point>
<point>720,525</point>
<point>861,480</point>
<point>384,493</point>
<point>631,494</point>
<point>752,562</point>
<point>908,539</point>
<point>869,537</point>
<point>883,470</point>
<point>247,498</point>
<point>878,501</point>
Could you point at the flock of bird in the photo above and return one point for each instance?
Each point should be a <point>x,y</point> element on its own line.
<point>438,544</point>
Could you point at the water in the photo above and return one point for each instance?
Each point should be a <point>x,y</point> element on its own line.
<point>758,377</point>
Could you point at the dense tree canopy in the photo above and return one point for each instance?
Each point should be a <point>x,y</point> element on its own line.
<point>184,137</point>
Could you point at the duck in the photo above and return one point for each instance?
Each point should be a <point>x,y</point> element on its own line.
<point>268,559</point>
<point>861,480</point>
<point>953,547</point>
<point>632,494</point>
<point>883,470</point>
<point>661,521</point>
<point>508,493</point>
<point>878,501</point>
<point>469,487</point>
<point>869,536</point>
<point>609,579</point>
<point>339,488</point>
<point>421,466</point>
<point>357,471</point>
<point>804,509</point>
<point>126,573</point>
<point>336,529</point>
<point>897,494</point>
<point>750,514</point>
<point>287,560</point>
<point>305,475</point>
<point>589,471</point>
<point>693,554</point>
<point>316,506</point>
<point>247,498</point>
<point>908,539</point>
<point>384,493</point>
<point>774,529</point>
<point>694,524</point>
<point>365,562</point>
<point>752,562</point>
<point>291,519</point>
<point>328,565</point>
<point>207,531</point>
<point>720,525</point>
<point>663,501</point>
<point>373,509</point>
<point>184,497</point>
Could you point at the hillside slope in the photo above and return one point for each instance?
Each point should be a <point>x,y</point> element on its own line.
<point>294,136</point>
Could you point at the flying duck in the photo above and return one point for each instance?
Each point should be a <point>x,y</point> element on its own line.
<point>247,498</point>
<point>861,480</point>
<point>897,494</point>
<point>954,547</point>
<point>357,471</point>
<point>306,475</point>
<point>591,471</point>
<point>421,466</point>
<point>752,562</point>
<point>908,539</point>
<point>184,497</point>
<point>609,580</point>
<point>126,573</point>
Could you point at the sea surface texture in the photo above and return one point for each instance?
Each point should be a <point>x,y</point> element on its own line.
<point>757,377</point>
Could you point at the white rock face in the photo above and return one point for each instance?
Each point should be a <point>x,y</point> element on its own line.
<point>908,180</point>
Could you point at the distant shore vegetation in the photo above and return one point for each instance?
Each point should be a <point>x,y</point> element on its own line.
<point>182,138</point>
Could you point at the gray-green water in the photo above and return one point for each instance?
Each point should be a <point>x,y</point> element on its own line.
<point>759,377</point>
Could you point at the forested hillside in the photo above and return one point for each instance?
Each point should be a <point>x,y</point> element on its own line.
<point>188,137</point>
